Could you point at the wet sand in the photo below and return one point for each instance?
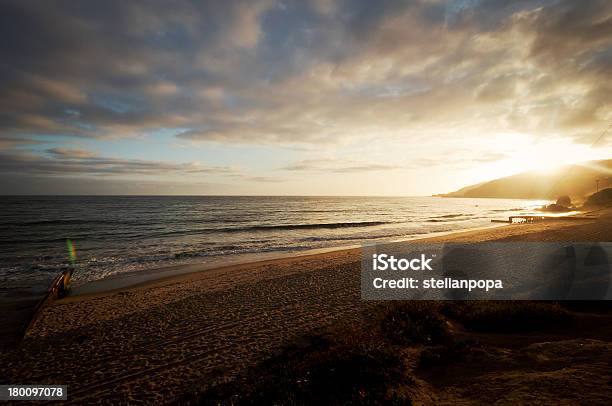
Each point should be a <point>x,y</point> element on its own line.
<point>158,339</point>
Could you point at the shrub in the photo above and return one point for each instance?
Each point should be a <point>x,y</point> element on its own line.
<point>327,372</point>
<point>507,316</point>
<point>417,322</point>
<point>442,355</point>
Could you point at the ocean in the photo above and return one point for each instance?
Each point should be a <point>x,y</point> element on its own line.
<point>125,234</point>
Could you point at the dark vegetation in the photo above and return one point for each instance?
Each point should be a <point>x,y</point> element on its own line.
<point>603,198</point>
<point>507,317</point>
<point>414,323</point>
<point>369,363</point>
<point>453,351</point>
<point>352,368</point>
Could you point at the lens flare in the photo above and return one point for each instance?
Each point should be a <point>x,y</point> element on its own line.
<point>71,251</point>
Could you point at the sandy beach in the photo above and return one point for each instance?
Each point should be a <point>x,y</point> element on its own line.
<point>159,339</point>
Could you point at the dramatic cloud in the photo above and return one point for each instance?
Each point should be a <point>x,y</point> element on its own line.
<point>291,74</point>
<point>263,71</point>
<point>79,162</point>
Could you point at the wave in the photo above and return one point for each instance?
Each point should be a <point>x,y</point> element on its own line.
<point>50,222</point>
<point>310,226</point>
<point>453,220</point>
<point>274,227</point>
<point>503,210</point>
<point>447,216</point>
<point>71,222</point>
<point>362,237</point>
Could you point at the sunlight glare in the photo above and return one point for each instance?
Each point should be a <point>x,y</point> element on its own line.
<point>545,156</point>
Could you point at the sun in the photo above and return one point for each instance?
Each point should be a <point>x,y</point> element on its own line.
<point>542,162</point>
<point>545,156</point>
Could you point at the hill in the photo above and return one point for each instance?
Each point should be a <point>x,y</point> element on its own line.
<point>576,181</point>
<point>603,198</point>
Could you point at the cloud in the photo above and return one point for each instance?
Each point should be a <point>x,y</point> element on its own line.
<point>8,142</point>
<point>84,163</point>
<point>247,30</point>
<point>119,66</point>
<point>26,184</point>
<point>325,73</point>
<point>264,179</point>
<point>570,30</point>
<point>70,153</point>
<point>497,89</point>
<point>338,166</point>
<point>490,157</point>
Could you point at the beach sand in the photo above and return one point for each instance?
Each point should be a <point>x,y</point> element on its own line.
<point>159,339</point>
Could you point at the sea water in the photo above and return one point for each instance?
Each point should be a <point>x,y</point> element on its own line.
<point>112,235</point>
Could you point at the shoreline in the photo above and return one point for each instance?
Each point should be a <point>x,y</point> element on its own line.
<point>140,278</point>
<point>154,276</point>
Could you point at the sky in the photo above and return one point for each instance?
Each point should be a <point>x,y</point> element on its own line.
<point>325,97</point>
